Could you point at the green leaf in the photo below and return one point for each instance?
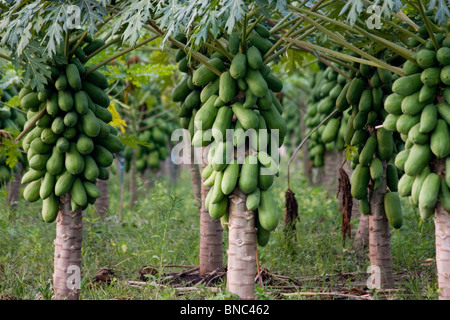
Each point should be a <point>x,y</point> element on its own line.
<point>36,71</point>
<point>350,152</point>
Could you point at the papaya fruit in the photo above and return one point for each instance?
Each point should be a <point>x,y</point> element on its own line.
<point>248,180</point>
<point>202,76</point>
<point>254,58</point>
<point>227,87</point>
<point>360,181</point>
<point>429,191</point>
<point>393,209</point>
<point>50,208</point>
<point>440,139</point>
<point>267,211</point>
<point>418,157</point>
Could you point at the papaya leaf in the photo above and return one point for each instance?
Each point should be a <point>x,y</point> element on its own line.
<point>350,152</point>
<point>117,120</point>
<point>442,13</point>
<point>132,141</point>
<point>36,71</point>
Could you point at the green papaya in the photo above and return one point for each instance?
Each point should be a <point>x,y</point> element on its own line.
<point>429,191</point>
<point>393,209</point>
<point>267,211</point>
<point>440,139</point>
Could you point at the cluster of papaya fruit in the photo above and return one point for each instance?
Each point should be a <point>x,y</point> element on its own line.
<point>375,147</point>
<point>242,99</point>
<point>71,145</point>
<point>153,146</point>
<point>327,86</point>
<point>10,120</point>
<point>419,110</point>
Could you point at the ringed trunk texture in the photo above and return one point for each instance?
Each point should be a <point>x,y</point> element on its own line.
<point>362,234</point>
<point>196,180</point>
<point>102,203</point>
<point>13,189</point>
<point>330,174</point>
<point>211,231</point>
<point>442,234</point>
<point>379,237</point>
<point>67,260</point>
<point>242,240</point>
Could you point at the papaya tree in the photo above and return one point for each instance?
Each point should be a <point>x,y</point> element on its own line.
<point>67,136</point>
<point>371,147</point>
<point>230,105</point>
<point>418,110</point>
<point>399,111</point>
<point>12,159</point>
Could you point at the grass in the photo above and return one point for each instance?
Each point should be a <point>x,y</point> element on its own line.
<point>163,229</point>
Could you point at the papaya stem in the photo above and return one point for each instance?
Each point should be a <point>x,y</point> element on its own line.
<point>6,57</point>
<point>252,26</point>
<point>125,51</point>
<point>31,124</point>
<point>427,24</point>
<point>103,47</point>
<point>388,44</point>
<point>344,43</point>
<point>80,40</point>
<point>291,30</point>
<point>66,42</point>
<point>306,139</point>
<point>12,107</point>
<point>198,56</point>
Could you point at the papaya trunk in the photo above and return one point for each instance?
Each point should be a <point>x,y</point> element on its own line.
<point>13,191</point>
<point>211,231</point>
<point>380,238</point>
<point>102,203</point>
<point>307,166</point>
<point>133,181</point>
<point>362,234</point>
<point>317,174</point>
<point>67,260</point>
<point>241,270</point>
<point>330,173</point>
<point>196,180</point>
<point>361,237</point>
<point>442,234</point>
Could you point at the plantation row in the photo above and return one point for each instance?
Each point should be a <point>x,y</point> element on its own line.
<point>382,102</point>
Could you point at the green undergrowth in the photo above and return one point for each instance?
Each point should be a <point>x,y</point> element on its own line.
<point>163,229</point>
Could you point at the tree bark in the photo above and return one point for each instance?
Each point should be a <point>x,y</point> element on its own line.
<point>241,270</point>
<point>361,236</point>
<point>442,235</point>
<point>379,237</point>
<point>362,233</point>
<point>67,260</point>
<point>196,179</point>
<point>13,189</point>
<point>102,203</point>
<point>211,247</point>
<point>307,164</point>
<point>331,167</point>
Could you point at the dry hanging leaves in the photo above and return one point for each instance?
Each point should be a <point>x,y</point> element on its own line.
<point>347,203</point>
